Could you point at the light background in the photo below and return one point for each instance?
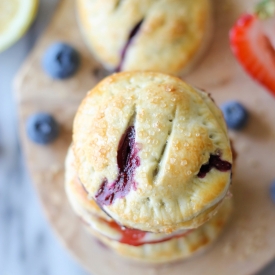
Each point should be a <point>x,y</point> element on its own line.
<point>28,245</point>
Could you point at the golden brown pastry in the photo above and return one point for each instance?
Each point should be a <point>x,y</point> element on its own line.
<point>158,35</point>
<point>152,151</point>
<point>176,248</point>
<point>140,245</point>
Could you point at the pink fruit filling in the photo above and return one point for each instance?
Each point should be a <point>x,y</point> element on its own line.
<point>135,237</point>
<point>132,34</point>
<point>127,161</point>
<point>214,162</point>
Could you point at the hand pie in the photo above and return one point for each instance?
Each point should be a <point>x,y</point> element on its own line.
<point>152,152</point>
<point>167,36</point>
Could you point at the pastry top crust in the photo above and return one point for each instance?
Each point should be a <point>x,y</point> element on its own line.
<point>177,129</point>
<point>168,33</point>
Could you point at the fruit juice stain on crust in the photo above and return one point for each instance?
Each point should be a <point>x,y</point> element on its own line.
<point>214,162</point>
<point>128,161</point>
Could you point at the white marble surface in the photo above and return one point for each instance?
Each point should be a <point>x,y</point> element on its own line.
<point>27,243</point>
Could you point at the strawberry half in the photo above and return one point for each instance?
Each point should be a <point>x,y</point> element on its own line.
<point>252,41</point>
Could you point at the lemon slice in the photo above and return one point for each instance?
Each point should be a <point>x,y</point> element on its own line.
<point>15,18</point>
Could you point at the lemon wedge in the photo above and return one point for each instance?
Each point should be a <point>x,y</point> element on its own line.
<point>15,19</point>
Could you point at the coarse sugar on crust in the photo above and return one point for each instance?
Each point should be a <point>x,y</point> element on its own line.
<point>143,144</point>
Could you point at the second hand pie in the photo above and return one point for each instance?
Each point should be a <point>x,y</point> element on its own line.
<point>167,36</point>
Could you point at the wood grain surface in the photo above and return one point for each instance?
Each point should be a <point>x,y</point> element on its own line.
<point>248,242</point>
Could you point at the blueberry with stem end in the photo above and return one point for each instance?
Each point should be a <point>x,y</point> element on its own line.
<point>235,115</point>
<point>42,128</point>
<point>60,60</point>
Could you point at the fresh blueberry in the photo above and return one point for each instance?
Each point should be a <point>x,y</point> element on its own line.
<point>42,128</point>
<point>235,115</point>
<point>60,60</point>
<point>272,191</point>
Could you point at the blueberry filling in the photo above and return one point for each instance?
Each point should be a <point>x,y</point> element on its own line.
<point>214,162</point>
<point>127,161</point>
<point>132,34</point>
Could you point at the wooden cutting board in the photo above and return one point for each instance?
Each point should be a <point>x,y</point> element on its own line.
<point>248,243</point>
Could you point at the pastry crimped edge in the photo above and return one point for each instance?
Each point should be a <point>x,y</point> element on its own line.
<point>178,67</point>
<point>178,248</point>
<point>103,118</point>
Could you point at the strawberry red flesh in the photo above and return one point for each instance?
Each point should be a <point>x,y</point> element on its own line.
<point>252,43</point>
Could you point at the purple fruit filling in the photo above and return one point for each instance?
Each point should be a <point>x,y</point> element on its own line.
<point>132,34</point>
<point>127,161</point>
<point>214,162</point>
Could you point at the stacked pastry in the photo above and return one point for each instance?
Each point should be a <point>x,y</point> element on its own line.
<point>150,166</point>
<point>167,36</point>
